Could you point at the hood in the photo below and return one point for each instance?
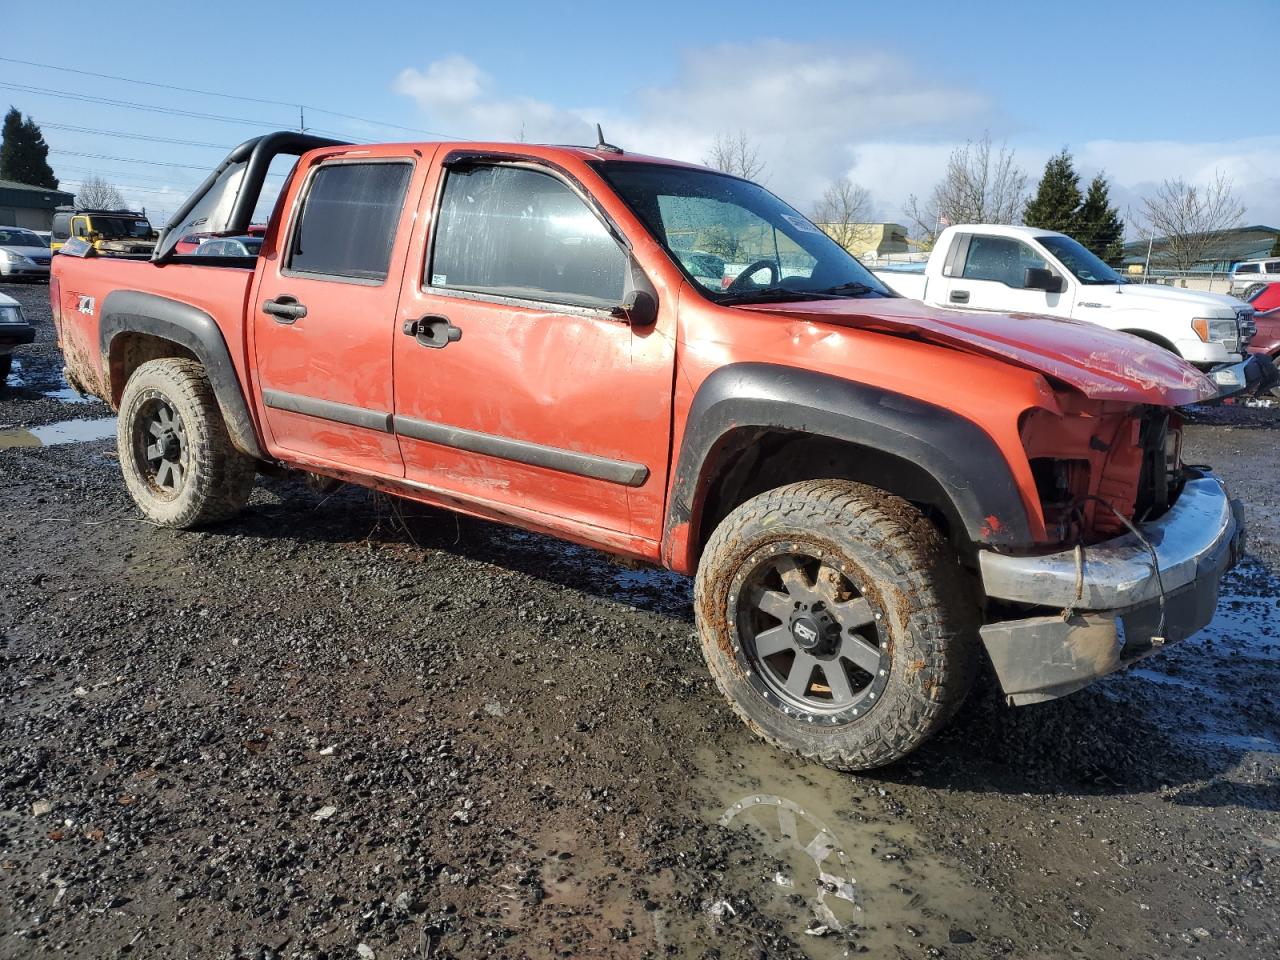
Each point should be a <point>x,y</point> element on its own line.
<point>1153,296</point>
<point>1100,363</point>
<point>7,301</point>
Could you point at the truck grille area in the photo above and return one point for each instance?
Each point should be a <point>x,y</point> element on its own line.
<point>1096,473</point>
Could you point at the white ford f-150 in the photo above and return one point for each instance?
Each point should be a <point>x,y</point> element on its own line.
<point>1009,269</point>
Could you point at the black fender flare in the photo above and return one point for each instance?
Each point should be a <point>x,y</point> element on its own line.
<point>132,311</point>
<point>957,453</point>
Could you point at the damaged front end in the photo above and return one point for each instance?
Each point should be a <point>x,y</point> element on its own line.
<point>1142,543</point>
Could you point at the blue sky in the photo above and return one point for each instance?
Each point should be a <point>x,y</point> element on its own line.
<point>880,92</point>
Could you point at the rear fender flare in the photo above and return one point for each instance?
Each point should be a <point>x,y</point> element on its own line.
<point>132,311</point>
<point>959,455</point>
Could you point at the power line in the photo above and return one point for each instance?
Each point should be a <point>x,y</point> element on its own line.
<point>134,136</point>
<point>107,101</point>
<point>230,96</point>
<point>154,163</point>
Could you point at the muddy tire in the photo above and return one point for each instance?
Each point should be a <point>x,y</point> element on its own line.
<point>178,461</point>
<point>837,622</point>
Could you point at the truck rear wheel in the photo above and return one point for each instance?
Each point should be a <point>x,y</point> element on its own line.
<point>178,461</point>
<point>835,619</point>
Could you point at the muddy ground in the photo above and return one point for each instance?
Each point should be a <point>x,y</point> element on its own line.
<point>342,726</point>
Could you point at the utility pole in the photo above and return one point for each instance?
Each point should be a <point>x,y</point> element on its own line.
<point>302,120</point>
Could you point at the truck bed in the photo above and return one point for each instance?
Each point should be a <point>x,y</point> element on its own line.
<point>80,288</point>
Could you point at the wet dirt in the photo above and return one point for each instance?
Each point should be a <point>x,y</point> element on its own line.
<point>342,722</point>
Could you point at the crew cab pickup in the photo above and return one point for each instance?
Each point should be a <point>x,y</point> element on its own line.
<point>1019,270</point>
<point>872,494</point>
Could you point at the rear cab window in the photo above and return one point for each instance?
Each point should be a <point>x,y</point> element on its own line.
<point>511,231</point>
<point>347,219</point>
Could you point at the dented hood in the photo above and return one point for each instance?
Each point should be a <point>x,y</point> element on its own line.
<point>1100,363</point>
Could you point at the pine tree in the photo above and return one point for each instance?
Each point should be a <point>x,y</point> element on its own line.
<point>1057,199</point>
<point>1275,247</point>
<point>24,156</point>
<point>1098,224</point>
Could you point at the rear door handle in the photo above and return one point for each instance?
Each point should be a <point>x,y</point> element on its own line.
<point>959,296</point>
<point>433,331</point>
<point>285,309</point>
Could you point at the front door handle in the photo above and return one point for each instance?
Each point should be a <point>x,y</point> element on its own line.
<point>433,331</point>
<point>959,296</point>
<point>284,308</point>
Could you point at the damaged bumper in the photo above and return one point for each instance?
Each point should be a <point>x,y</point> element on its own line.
<point>1109,606</point>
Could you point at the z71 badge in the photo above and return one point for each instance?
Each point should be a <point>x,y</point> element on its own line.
<point>85,305</point>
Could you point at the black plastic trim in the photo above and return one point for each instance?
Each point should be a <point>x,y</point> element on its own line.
<point>959,455</point>
<point>522,451</point>
<point>132,311</point>
<point>328,410</point>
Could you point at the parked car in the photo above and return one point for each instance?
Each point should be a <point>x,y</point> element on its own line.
<point>1023,270</point>
<point>1266,301</point>
<point>23,255</point>
<point>14,332</point>
<point>114,233</point>
<point>245,246</point>
<point>706,268</point>
<point>869,491</point>
<point>191,242</point>
<point>1249,272</point>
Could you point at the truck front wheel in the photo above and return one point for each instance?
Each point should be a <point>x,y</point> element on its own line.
<point>178,461</point>
<point>836,621</point>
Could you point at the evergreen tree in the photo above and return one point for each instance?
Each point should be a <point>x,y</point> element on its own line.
<point>1275,247</point>
<point>1057,199</point>
<point>1098,224</point>
<point>24,156</point>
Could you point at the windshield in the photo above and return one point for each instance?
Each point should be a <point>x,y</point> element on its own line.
<point>735,240</point>
<point>20,238</point>
<point>1083,264</point>
<point>120,227</point>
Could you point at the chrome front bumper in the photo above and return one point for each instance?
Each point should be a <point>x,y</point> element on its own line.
<point>1105,607</point>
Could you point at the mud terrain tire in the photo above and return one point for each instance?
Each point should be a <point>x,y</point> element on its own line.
<point>178,461</point>
<point>882,557</point>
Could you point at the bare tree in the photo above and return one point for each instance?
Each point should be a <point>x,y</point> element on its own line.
<point>981,185</point>
<point>843,212</point>
<point>98,194</point>
<point>1190,219</point>
<point>736,154</point>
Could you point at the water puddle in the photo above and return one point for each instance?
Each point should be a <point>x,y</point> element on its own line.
<point>67,431</point>
<point>1219,681</point>
<point>833,862</point>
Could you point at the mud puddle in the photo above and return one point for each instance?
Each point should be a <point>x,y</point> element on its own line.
<point>833,861</point>
<point>1220,680</point>
<point>67,431</point>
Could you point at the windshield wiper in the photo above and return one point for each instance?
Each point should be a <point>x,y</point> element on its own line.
<point>852,288</point>
<point>774,295</point>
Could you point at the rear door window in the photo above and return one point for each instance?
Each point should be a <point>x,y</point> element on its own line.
<point>515,232</point>
<point>347,221</point>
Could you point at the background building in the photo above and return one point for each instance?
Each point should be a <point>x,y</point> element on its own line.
<point>22,205</point>
<point>1242,243</point>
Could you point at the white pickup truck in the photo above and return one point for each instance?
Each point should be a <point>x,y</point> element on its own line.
<point>1024,270</point>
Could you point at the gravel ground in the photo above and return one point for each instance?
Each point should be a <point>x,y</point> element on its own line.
<point>346,726</point>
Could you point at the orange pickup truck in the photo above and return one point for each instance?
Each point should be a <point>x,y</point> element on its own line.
<point>671,364</point>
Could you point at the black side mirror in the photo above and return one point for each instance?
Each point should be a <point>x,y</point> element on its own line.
<point>1038,278</point>
<point>640,308</point>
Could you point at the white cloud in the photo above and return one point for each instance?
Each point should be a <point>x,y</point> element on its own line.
<point>817,113</point>
<point>806,106</point>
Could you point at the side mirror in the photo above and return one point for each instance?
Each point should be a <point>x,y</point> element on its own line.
<point>640,309</point>
<point>1038,278</point>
